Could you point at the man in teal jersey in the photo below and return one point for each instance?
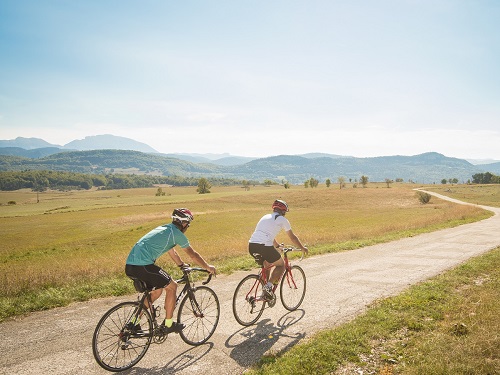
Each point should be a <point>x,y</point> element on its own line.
<point>141,262</point>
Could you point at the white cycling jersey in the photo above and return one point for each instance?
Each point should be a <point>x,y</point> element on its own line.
<point>268,228</point>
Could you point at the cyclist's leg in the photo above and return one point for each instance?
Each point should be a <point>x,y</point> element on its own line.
<point>268,256</point>
<point>279,269</point>
<point>170,295</point>
<point>156,278</point>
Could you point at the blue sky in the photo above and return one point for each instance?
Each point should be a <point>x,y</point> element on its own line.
<point>256,78</point>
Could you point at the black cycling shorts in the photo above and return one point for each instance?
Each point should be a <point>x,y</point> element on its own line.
<point>152,275</point>
<point>262,252</point>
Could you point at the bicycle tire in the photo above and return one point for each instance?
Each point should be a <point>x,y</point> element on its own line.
<point>247,308</point>
<point>199,311</point>
<point>117,348</point>
<point>293,288</point>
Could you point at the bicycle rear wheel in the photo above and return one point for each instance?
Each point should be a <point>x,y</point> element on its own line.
<point>199,311</point>
<point>248,304</point>
<point>293,288</point>
<point>117,344</point>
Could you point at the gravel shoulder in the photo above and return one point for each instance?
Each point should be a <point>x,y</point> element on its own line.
<point>339,287</point>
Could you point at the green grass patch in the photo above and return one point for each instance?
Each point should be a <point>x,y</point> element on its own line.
<point>447,325</point>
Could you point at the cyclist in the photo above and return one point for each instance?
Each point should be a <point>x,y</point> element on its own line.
<point>141,265</point>
<point>263,246</point>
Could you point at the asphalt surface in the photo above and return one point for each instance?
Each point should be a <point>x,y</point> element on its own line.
<point>339,287</point>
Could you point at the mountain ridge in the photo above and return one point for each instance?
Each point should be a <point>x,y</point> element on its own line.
<point>431,167</point>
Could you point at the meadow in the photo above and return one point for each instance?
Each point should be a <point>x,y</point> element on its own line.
<point>60,247</point>
<point>446,325</point>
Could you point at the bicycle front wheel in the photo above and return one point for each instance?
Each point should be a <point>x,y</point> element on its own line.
<point>117,344</point>
<point>293,288</point>
<point>199,311</point>
<point>248,303</point>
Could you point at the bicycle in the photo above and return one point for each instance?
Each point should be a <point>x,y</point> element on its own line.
<point>249,301</point>
<point>124,333</point>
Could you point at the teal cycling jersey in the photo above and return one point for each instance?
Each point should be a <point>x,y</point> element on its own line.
<point>155,243</point>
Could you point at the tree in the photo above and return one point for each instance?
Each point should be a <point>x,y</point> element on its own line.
<point>364,181</point>
<point>203,186</point>
<point>444,181</point>
<point>341,181</point>
<point>268,182</point>
<point>388,181</point>
<point>328,182</point>
<point>160,192</point>
<point>313,182</point>
<point>246,185</point>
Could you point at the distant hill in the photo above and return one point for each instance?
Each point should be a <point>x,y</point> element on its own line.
<point>107,141</point>
<point>107,161</point>
<point>212,159</point>
<point>29,153</point>
<point>95,142</point>
<point>424,168</point>
<point>105,153</point>
<point>26,143</point>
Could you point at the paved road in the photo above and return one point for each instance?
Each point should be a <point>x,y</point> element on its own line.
<point>340,286</point>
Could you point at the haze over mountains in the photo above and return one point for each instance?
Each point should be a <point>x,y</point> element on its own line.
<point>93,154</point>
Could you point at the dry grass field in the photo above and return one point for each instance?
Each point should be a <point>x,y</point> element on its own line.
<point>80,238</point>
<point>488,195</point>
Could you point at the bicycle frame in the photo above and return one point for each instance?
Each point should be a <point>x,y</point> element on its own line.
<point>264,277</point>
<point>154,311</point>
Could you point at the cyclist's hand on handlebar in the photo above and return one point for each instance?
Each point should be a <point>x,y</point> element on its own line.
<point>305,250</point>
<point>212,269</point>
<point>184,266</point>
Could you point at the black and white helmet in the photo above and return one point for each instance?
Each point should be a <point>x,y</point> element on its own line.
<point>181,215</point>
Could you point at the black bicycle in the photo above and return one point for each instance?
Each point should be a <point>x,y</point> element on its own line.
<point>124,333</point>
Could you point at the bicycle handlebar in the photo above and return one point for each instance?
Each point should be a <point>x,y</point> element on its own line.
<point>288,248</point>
<point>187,270</point>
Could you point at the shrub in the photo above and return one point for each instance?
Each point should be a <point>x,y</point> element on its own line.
<point>423,197</point>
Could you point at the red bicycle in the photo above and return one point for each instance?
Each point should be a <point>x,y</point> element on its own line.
<point>249,300</point>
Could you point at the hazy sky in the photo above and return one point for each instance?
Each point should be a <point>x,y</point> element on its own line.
<point>256,78</point>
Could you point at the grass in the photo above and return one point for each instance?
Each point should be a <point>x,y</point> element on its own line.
<point>447,325</point>
<point>72,246</point>
<point>488,195</point>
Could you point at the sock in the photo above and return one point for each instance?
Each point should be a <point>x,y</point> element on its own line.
<point>269,285</point>
<point>168,323</point>
<point>135,320</point>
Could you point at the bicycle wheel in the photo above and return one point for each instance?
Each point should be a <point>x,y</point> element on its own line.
<point>293,288</point>
<point>115,345</point>
<point>248,304</point>
<point>199,311</point>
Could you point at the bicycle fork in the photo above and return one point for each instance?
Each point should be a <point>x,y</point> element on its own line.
<point>195,307</point>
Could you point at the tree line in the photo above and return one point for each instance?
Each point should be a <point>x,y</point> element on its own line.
<point>485,178</point>
<point>59,180</point>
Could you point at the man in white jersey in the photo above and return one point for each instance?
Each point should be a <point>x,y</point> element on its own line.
<point>263,245</point>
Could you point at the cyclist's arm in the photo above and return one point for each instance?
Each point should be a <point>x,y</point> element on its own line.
<point>198,259</point>
<point>175,257</point>
<point>296,241</point>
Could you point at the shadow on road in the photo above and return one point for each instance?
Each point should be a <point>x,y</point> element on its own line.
<point>177,364</point>
<point>249,344</point>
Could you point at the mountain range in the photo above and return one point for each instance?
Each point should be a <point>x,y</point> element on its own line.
<point>102,154</point>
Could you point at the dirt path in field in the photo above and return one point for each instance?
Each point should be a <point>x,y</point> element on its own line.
<point>340,286</point>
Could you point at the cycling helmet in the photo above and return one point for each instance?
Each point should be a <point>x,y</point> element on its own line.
<point>280,205</point>
<point>181,215</point>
